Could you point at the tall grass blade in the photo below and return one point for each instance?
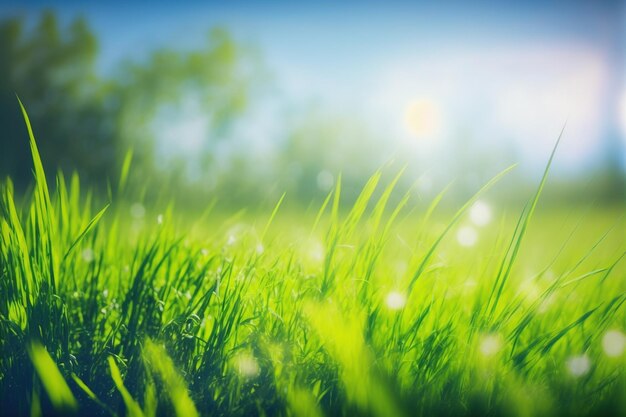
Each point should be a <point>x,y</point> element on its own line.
<point>57,389</point>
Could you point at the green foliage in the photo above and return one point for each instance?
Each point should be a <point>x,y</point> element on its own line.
<point>104,313</point>
<point>53,69</point>
<point>174,385</point>
<point>57,389</point>
<point>91,120</point>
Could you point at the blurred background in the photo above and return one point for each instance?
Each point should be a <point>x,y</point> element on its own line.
<point>240,101</point>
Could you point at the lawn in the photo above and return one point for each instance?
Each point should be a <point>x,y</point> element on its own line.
<point>387,307</point>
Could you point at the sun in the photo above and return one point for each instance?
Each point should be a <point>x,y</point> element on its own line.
<point>422,118</point>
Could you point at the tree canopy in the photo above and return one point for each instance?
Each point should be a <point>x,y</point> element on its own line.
<point>87,122</point>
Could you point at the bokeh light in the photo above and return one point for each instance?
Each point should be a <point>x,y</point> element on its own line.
<point>467,236</point>
<point>614,343</point>
<point>395,300</point>
<point>578,365</point>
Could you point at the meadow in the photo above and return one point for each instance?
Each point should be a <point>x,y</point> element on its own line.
<point>387,307</point>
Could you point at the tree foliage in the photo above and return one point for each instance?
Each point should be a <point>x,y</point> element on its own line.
<point>87,121</point>
<point>52,70</point>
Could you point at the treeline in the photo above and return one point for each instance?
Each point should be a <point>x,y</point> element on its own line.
<point>87,122</point>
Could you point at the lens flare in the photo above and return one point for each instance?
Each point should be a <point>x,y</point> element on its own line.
<point>480,213</point>
<point>422,118</point>
<point>467,236</point>
<point>614,343</point>
<point>578,365</point>
<point>395,300</point>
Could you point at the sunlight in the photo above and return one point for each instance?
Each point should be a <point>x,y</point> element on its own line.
<point>181,130</point>
<point>480,213</point>
<point>88,255</point>
<point>424,184</point>
<point>325,180</point>
<point>271,210</point>
<point>467,236</point>
<point>578,365</point>
<point>246,365</point>
<point>422,118</point>
<point>490,344</point>
<point>186,134</point>
<point>614,343</point>
<point>315,251</point>
<point>395,300</point>
<point>137,210</point>
<point>529,290</point>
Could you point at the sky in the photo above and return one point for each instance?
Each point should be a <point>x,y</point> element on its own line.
<point>425,76</point>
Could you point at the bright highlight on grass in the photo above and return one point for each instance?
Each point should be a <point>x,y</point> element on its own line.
<point>87,255</point>
<point>395,300</point>
<point>530,290</point>
<point>480,213</point>
<point>614,343</point>
<point>246,365</point>
<point>137,210</point>
<point>314,251</point>
<point>578,365</point>
<point>58,391</point>
<point>467,236</point>
<point>490,344</point>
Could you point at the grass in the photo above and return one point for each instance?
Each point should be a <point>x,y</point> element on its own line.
<point>369,310</point>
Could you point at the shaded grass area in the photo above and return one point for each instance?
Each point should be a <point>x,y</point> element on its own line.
<point>373,310</point>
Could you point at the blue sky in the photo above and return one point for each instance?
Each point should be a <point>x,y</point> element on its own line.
<point>502,71</point>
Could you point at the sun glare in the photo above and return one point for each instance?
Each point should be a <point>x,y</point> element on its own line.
<point>188,134</point>
<point>181,131</point>
<point>246,365</point>
<point>490,344</point>
<point>467,236</point>
<point>395,300</point>
<point>480,213</point>
<point>137,210</point>
<point>614,343</point>
<point>422,118</point>
<point>578,365</point>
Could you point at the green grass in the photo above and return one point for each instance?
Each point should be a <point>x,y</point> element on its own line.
<point>373,309</point>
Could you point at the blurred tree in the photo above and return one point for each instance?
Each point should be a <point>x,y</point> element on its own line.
<point>320,146</point>
<point>217,79</point>
<point>52,71</point>
<point>87,123</point>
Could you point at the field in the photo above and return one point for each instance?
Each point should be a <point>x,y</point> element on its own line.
<point>388,307</point>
